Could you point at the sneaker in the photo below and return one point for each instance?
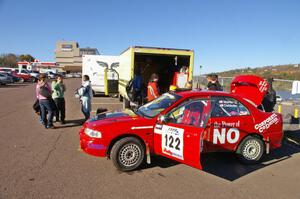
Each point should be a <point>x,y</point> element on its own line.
<point>50,127</point>
<point>63,122</point>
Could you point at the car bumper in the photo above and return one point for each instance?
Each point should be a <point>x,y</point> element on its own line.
<point>92,146</point>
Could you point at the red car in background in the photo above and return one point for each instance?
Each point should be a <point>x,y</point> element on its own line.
<point>183,125</point>
<point>23,75</point>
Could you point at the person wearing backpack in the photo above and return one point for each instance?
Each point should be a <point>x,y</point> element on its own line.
<point>58,90</point>
<point>43,94</point>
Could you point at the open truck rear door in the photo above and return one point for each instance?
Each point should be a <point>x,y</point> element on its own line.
<point>250,87</point>
<point>178,134</point>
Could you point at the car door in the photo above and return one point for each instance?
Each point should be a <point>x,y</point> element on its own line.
<point>177,135</point>
<point>228,124</point>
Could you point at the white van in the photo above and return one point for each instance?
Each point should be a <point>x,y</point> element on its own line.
<point>103,73</point>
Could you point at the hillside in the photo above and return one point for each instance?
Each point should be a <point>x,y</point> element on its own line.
<point>288,72</point>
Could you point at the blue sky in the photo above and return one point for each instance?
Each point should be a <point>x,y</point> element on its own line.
<point>225,34</point>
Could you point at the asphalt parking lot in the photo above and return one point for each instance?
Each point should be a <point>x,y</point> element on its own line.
<point>48,163</point>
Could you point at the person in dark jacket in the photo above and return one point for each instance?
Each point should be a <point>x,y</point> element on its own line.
<point>138,86</point>
<point>269,100</point>
<point>213,83</point>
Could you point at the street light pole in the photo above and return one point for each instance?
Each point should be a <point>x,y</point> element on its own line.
<point>199,77</point>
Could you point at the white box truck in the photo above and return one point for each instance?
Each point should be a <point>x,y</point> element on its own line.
<point>166,62</point>
<point>102,70</point>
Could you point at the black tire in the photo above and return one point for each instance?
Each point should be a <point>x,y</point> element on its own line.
<point>251,150</point>
<point>32,80</point>
<point>21,80</point>
<point>126,103</point>
<point>120,98</point>
<point>128,154</point>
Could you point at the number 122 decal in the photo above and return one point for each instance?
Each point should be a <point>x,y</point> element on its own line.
<point>172,141</point>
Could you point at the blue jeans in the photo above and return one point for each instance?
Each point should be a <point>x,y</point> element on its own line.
<point>47,105</point>
<point>86,106</point>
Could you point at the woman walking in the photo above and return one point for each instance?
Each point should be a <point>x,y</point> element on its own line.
<point>43,94</point>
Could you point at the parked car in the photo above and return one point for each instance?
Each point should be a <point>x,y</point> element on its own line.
<point>8,75</point>
<point>4,79</point>
<point>69,75</point>
<point>278,98</point>
<point>184,125</point>
<point>51,75</point>
<point>24,75</point>
<point>34,73</point>
<point>78,75</point>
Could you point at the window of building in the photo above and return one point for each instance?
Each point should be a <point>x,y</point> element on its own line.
<point>66,47</point>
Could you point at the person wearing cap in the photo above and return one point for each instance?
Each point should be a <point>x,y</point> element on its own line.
<point>152,89</point>
<point>43,94</point>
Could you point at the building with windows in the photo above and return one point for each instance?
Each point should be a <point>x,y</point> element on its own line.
<point>68,55</point>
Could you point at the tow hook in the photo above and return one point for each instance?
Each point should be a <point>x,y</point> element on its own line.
<point>267,145</point>
<point>148,154</point>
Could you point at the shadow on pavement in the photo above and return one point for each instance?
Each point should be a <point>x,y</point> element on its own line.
<point>15,85</point>
<point>71,123</point>
<point>227,166</point>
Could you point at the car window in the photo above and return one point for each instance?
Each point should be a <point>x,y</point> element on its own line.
<point>228,107</point>
<point>193,113</point>
<point>153,108</point>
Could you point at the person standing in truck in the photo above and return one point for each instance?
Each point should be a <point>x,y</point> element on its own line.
<point>137,84</point>
<point>152,89</point>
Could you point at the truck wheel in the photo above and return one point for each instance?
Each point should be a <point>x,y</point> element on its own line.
<point>250,150</point>
<point>120,98</point>
<point>126,103</point>
<point>127,154</point>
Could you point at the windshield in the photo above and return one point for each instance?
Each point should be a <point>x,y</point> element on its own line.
<point>156,106</point>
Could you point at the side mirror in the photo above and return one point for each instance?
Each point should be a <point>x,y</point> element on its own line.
<point>162,119</point>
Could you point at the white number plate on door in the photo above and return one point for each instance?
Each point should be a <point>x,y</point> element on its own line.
<point>172,141</point>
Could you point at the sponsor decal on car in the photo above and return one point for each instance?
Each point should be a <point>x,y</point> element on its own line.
<point>263,86</point>
<point>96,146</point>
<point>231,136</point>
<point>264,125</point>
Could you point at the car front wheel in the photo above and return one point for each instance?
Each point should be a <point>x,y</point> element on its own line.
<point>128,154</point>
<point>251,150</point>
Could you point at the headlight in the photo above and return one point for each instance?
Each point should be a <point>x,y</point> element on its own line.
<point>92,133</point>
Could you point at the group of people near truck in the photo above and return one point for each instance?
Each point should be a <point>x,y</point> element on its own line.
<point>153,90</point>
<point>50,100</point>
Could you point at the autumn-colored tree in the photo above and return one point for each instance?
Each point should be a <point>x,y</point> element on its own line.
<point>8,60</point>
<point>26,57</point>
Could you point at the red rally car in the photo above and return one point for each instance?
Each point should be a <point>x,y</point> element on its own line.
<point>183,125</point>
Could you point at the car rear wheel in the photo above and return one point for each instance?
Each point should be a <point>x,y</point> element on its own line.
<point>128,154</point>
<point>251,150</point>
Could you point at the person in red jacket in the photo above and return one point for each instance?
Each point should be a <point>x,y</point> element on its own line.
<point>153,90</point>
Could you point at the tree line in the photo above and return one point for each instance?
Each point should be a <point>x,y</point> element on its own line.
<point>11,60</point>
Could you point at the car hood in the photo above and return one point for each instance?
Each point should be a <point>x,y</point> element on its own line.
<point>250,87</point>
<point>118,116</point>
